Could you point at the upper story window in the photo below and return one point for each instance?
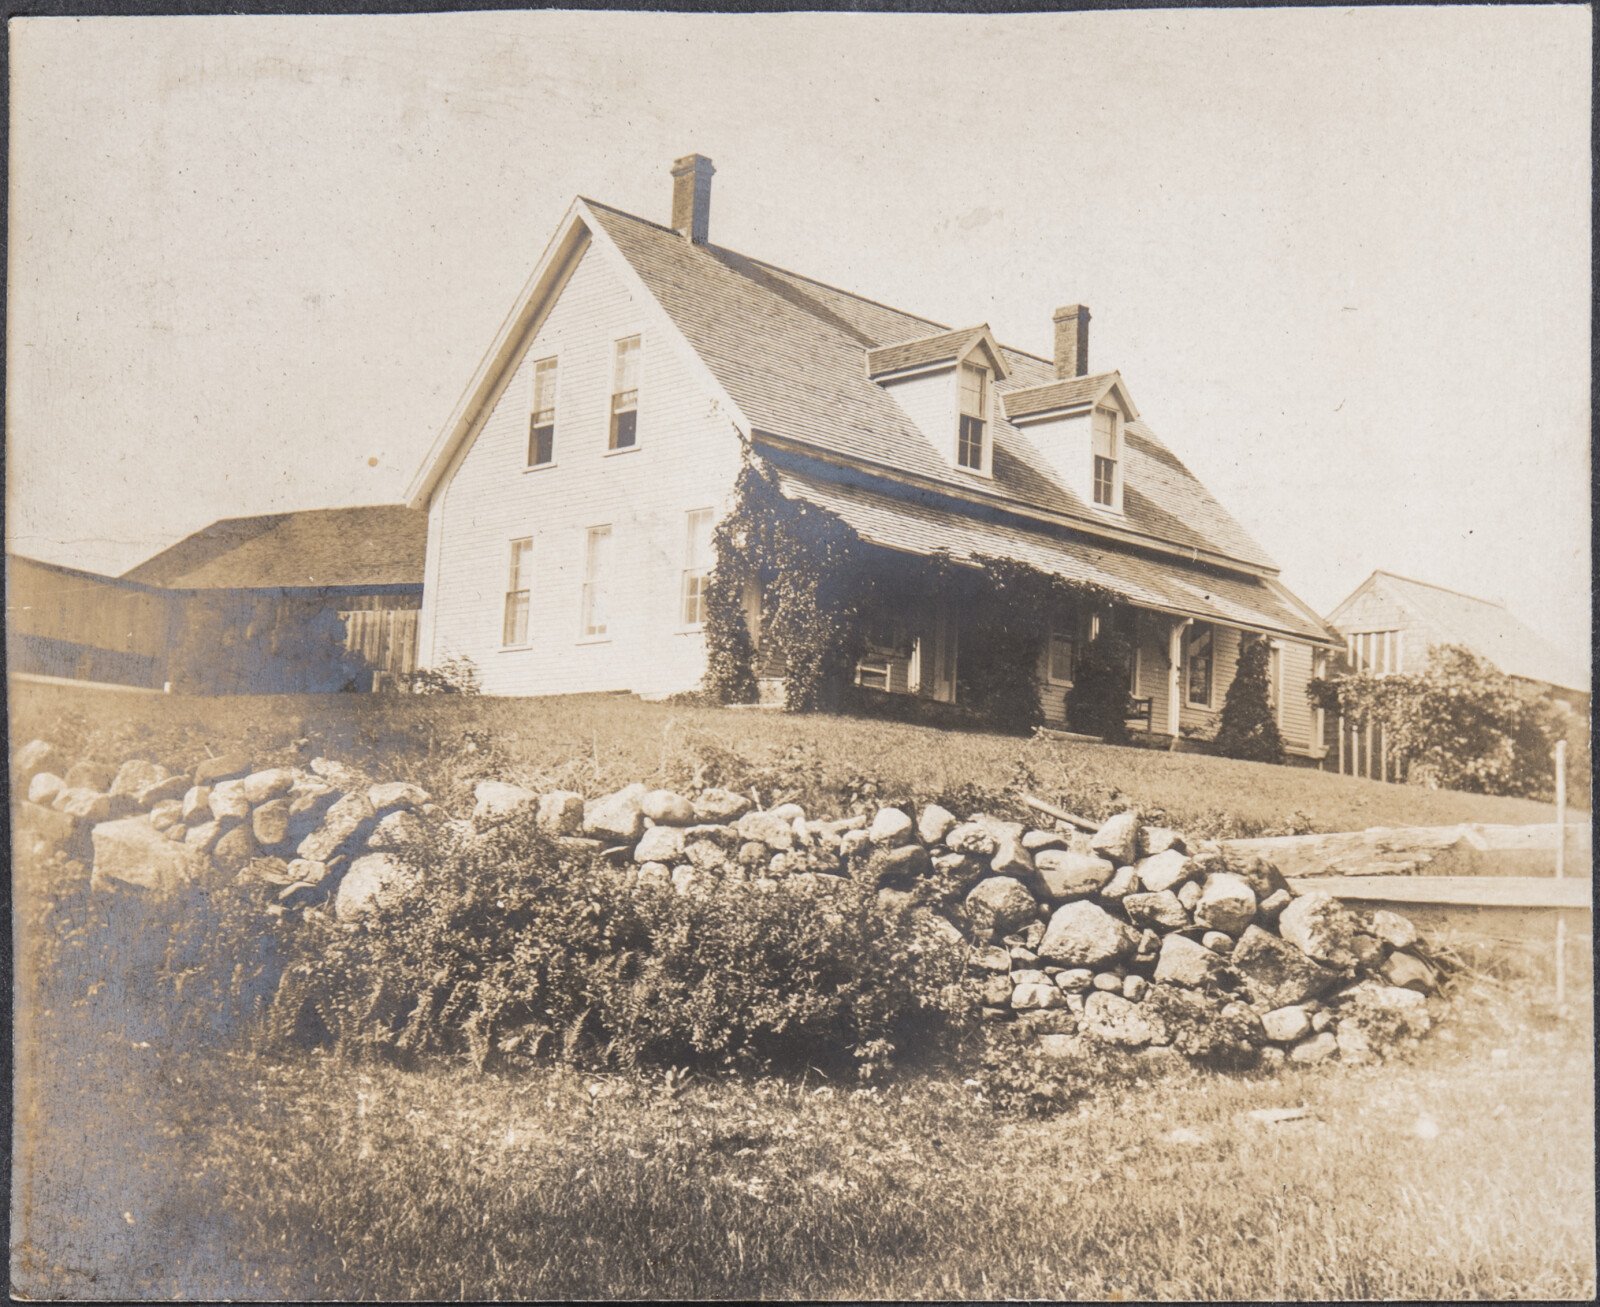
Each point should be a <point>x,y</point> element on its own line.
<point>514,630</point>
<point>1375,652</point>
<point>625,395</point>
<point>974,383</point>
<point>696,568</point>
<point>542,418</point>
<point>1106,458</point>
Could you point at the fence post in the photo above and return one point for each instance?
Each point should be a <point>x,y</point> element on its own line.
<point>1561,859</point>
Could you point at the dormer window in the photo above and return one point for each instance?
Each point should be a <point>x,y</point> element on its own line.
<point>1107,448</point>
<point>974,412</point>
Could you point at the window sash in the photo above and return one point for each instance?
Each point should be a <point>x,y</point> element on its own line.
<point>1105,433</point>
<point>514,624</point>
<point>1199,649</point>
<point>541,440</point>
<point>697,567</point>
<point>974,385</point>
<point>1060,664</point>
<point>1105,480</point>
<point>596,573</point>
<point>625,376</point>
<point>969,447</point>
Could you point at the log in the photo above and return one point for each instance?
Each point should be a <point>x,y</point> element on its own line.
<point>1050,810</point>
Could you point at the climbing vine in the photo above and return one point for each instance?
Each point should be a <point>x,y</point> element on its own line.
<point>819,584</point>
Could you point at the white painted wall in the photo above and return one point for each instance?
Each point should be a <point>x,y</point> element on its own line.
<point>686,458</point>
<point>929,400</point>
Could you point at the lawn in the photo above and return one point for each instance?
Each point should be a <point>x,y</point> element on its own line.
<point>597,742</point>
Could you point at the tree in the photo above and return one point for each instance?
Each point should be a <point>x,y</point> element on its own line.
<point>1249,727</point>
<point>1098,704</point>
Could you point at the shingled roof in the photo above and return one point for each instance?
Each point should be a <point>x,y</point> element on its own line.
<point>789,352</point>
<point>377,545</point>
<point>942,348</point>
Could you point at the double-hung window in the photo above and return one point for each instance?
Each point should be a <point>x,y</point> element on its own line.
<point>625,395</point>
<point>514,629</point>
<point>596,581</point>
<point>542,418</point>
<point>974,410</point>
<point>1200,652</point>
<point>1105,457</point>
<point>696,569</point>
<point>1059,667</point>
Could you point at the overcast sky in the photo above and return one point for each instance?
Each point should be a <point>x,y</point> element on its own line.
<point>1341,258</point>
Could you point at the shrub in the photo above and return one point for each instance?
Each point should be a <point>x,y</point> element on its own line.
<point>1098,704</point>
<point>457,674</point>
<point>514,948</point>
<point>1249,727</point>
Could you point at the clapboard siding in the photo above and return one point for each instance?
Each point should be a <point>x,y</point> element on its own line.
<point>686,459</point>
<point>1294,708</point>
<point>1225,654</point>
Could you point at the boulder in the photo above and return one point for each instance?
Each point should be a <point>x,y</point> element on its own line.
<point>895,900</point>
<point>497,802</point>
<point>172,787</point>
<point>40,830</point>
<point>1075,980</point>
<point>1133,988</point>
<point>684,878</point>
<point>272,872</point>
<point>270,822</point>
<point>705,854</point>
<point>392,795</point>
<point>167,813</point>
<point>1183,962</point>
<point>1108,981</point>
<point>196,805</point>
<point>1386,1009</point>
<point>43,787</point>
<point>345,823</point>
<point>304,871</point>
<point>395,829</point>
<point>1189,895</point>
<point>1275,903</point>
<point>83,804</point>
<point>236,846</point>
<point>1276,973</point>
<point>854,842</point>
<point>1318,1048</point>
<point>1284,1025</point>
<point>1036,841</point>
<point>1115,1020</point>
<point>228,800</point>
<point>1227,903</point>
<point>96,776</point>
<point>667,808</point>
<point>752,853</point>
<point>769,829</point>
<point>971,838</point>
<point>1067,875</point>
<point>1083,934</point>
<point>998,905</point>
<point>1157,911</point>
<point>934,824</point>
<point>1123,883</point>
<point>660,844</point>
<point>1323,928</point>
<point>1118,839</point>
<point>1261,876</point>
<point>789,812</point>
<point>203,837</point>
<point>32,758</point>
<point>1036,996</point>
<point>561,812</point>
<point>991,957</point>
<point>226,768</point>
<point>655,875</point>
<point>1010,858</point>
<point>1158,839</point>
<point>1217,942</point>
<point>996,991</point>
<point>890,826</point>
<point>374,881</point>
<point>135,774</point>
<point>720,806</point>
<point>1404,971</point>
<point>905,863</point>
<point>616,816</point>
<point>1163,870</point>
<point>1393,929</point>
<point>132,852</point>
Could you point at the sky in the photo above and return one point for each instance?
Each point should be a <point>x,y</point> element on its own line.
<point>1340,257</point>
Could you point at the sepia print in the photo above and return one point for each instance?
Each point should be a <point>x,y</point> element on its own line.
<point>802,656</point>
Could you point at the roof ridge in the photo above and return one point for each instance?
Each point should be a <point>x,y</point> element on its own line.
<point>1429,585</point>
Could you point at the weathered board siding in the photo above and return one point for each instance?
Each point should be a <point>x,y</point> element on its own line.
<point>686,459</point>
<point>64,622</point>
<point>1295,712</point>
<point>1377,610</point>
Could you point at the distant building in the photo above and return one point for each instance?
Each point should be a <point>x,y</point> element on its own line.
<point>65,622</point>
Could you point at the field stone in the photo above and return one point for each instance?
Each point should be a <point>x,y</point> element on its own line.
<point>1404,971</point>
<point>1217,941</point>
<point>720,806</point>
<point>264,786</point>
<point>905,863</point>
<point>991,957</point>
<point>394,795</point>
<point>1020,953</point>
<point>1324,929</point>
<point>998,905</point>
<point>1163,871</point>
<point>1031,935</point>
<point>657,874</point>
<point>667,808</point>
<point>345,822</point>
<point>226,768</point>
<point>132,852</point>
<point>971,838</point>
<point>44,787</point>
<point>302,895</point>
<point>203,838</point>
<point>1263,878</point>
<point>373,881</point>
<point>1159,911</point>
<point>706,855</point>
<point>1227,903</point>
<point>1118,839</point>
<point>1133,988</point>
<point>173,787</point>
<point>396,828</point>
<point>1276,973</point>
<point>1075,979</point>
<point>309,799</point>
<point>1158,839</point>
<point>776,832</point>
<point>1271,906</point>
<point>660,844</point>
<point>96,776</point>
<point>1109,981</point>
<point>1010,858</point>
<point>496,802</point>
<point>616,816</point>
<point>304,871</point>
<point>996,991</point>
<point>1083,934</point>
<point>1393,929</point>
<point>236,847</point>
<point>934,824</point>
<point>1321,1021</point>
<point>1189,895</point>
<point>853,842</point>
<point>83,804</point>
<point>1036,841</point>
<point>1284,1025</point>
<point>1354,1045</point>
<point>228,800</point>
<point>1183,962</point>
<point>890,826</point>
<point>1115,1020</point>
<point>752,853</point>
<point>32,758</point>
<point>1068,875</point>
<point>1036,996</point>
<point>561,812</point>
<point>1030,976</point>
<point>270,822</point>
<point>167,813</point>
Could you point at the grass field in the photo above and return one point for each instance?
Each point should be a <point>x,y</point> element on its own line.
<point>594,743</point>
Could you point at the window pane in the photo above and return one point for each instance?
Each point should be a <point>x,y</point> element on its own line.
<point>1105,433</point>
<point>1200,665</point>
<point>541,442</point>
<point>544,386</point>
<point>1060,658</point>
<point>973,380</point>
<point>624,429</point>
<point>596,574</point>
<point>521,556</point>
<point>694,598</point>
<point>627,371</point>
<point>1105,481</point>
<point>516,623</point>
<point>969,450</point>
<point>698,552</point>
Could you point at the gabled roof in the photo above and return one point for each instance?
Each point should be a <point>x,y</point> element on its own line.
<point>1489,629</point>
<point>946,347</point>
<point>378,545</point>
<point>1072,393</point>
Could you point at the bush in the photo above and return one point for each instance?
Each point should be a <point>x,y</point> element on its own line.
<point>1249,727</point>
<point>457,674</point>
<point>514,949</point>
<point>1098,702</point>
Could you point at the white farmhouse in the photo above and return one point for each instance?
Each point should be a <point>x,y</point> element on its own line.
<point>572,494</point>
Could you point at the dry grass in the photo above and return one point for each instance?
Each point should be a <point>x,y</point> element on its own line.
<point>596,742</point>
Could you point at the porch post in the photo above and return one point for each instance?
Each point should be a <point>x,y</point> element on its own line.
<point>1174,672</point>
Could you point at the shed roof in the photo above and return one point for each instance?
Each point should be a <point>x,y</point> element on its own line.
<point>379,545</point>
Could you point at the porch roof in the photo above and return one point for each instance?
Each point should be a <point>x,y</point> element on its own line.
<point>921,526</point>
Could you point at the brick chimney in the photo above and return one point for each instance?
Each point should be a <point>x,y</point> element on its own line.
<point>691,197</point>
<point>1072,342</point>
